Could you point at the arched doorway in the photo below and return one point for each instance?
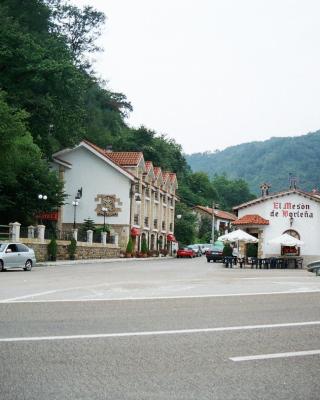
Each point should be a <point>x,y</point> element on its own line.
<point>291,250</point>
<point>152,242</point>
<point>160,242</point>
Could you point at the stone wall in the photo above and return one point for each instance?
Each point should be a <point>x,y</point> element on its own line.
<point>84,250</point>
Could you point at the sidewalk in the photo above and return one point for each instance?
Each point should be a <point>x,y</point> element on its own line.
<point>99,261</point>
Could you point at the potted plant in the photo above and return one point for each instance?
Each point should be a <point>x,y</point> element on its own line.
<point>129,248</point>
<point>72,247</point>
<point>144,247</point>
<point>52,250</point>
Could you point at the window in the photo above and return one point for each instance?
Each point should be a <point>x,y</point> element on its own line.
<point>22,248</point>
<point>13,248</point>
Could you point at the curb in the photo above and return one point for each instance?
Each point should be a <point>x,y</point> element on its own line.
<point>99,261</point>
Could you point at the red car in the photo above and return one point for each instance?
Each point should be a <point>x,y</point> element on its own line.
<point>185,252</point>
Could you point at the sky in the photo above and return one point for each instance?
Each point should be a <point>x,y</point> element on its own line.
<point>214,73</point>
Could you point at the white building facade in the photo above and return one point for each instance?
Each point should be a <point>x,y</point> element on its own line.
<point>119,189</point>
<point>293,211</point>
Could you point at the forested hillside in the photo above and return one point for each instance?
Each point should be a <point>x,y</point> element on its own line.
<point>50,98</point>
<point>270,161</point>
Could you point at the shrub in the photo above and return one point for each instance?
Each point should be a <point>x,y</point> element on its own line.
<point>227,250</point>
<point>129,249</point>
<point>252,250</point>
<point>144,246</point>
<point>52,250</point>
<point>72,247</point>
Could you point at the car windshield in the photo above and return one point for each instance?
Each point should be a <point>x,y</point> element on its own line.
<point>215,248</point>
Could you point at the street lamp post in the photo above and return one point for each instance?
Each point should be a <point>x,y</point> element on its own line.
<point>42,197</point>
<point>104,210</point>
<point>75,204</point>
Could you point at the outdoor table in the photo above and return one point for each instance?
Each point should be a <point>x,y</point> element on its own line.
<point>290,262</point>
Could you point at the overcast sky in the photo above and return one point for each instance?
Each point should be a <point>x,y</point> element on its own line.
<point>214,73</point>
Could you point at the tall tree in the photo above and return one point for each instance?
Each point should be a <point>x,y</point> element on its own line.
<point>24,174</point>
<point>80,26</point>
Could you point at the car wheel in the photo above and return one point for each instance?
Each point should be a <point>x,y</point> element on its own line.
<point>1,266</point>
<point>28,265</point>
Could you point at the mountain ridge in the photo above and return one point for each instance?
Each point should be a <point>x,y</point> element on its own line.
<point>270,160</point>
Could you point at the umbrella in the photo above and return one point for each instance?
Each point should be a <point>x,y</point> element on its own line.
<point>286,240</point>
<point>238,236</point>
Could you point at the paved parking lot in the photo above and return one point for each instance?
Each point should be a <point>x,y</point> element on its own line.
<point>144,279</point>
<point>165,329</point>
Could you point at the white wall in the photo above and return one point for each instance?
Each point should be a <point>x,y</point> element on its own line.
<point>306,226</point>
<point>95,177</point>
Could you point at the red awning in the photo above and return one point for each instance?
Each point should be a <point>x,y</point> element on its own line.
<point>135,231</point>
<point>171,238</point>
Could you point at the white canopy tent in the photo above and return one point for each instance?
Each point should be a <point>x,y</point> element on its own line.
<point>286,240</point>
<point>238,236</point>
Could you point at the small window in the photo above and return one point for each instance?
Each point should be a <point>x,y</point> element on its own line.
<point>22,248</point>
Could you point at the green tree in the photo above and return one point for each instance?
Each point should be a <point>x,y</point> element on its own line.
<point>185,227</point>
<point>24,174</point>
<point>205,230</point>
<point>80,27</point>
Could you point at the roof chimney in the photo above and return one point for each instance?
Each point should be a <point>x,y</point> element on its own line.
<point>293,181</point>
<point>265,189</point>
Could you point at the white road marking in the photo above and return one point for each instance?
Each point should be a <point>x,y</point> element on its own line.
<point>157,333</point>
<point>276,355</point>
<point>204,296</point>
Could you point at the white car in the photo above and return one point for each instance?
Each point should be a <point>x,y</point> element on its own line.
<point>16,255</point>
<point>196,248</point>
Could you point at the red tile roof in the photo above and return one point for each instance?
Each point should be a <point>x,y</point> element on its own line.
<point>126,158</point>
<point>173,176</point>
<point>165,176</point>
<point>157,171</point>
<point>251,219</point>
<point>279,194</point>
<point>218,213</point>
<point>123,158</point>
<point>149,165</point>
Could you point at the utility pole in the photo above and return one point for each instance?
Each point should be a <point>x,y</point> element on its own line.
<point>214,206</point>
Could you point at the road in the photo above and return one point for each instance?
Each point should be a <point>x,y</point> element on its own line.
<point>159,330</point>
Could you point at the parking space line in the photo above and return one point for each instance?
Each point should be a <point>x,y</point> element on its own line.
<point>157,333</point>
<point>275,355</point>
<point>23,299</point>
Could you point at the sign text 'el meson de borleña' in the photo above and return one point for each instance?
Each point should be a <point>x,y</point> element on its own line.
<point>291,210</point>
